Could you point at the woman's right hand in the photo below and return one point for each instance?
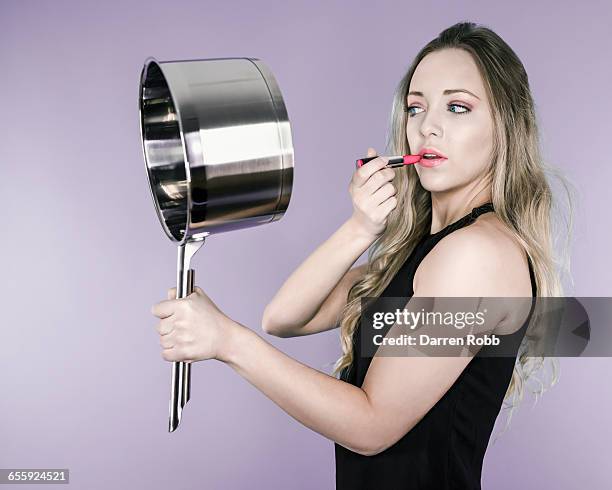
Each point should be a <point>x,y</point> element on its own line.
<point>373,195</point>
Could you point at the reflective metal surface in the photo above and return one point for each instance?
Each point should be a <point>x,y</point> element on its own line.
<point>217,143</point>
<point>218,150</point>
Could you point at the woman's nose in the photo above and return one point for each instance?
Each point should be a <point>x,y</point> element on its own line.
<point>430,124</point>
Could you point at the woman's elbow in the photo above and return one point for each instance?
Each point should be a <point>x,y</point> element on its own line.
<point>266,323</point>
<point>378,443</point>
<point>366,451</point>
<point>269,324</point>
<point>370,446</point>
<point>372,450</point>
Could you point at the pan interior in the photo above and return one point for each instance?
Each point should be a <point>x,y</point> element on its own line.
<point>163,150</point>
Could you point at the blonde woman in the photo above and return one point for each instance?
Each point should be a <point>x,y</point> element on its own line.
<point>477,224</point>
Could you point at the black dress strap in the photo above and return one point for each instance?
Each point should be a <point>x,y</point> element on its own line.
<point>484,208</point>
<point>468,218</point>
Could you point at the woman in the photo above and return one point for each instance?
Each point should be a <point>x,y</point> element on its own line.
<point>476,225</point>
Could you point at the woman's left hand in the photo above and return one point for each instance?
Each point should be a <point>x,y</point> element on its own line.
<point>192,328</point>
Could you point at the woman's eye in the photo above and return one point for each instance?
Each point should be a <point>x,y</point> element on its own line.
<point>459,105</point>
<point>464,111</point>
<point>409,108</point>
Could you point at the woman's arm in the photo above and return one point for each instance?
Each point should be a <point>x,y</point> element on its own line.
<point>323,284</point>
<point>329,406</point>
<point>397,391</point>
<point>313,296</point>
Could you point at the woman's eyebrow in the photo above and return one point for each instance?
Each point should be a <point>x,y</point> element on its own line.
<point>446,92</point>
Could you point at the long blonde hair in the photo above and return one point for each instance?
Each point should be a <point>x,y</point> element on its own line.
<point>521,194</point>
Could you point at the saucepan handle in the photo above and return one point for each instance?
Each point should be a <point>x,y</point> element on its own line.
<point>181,371</point>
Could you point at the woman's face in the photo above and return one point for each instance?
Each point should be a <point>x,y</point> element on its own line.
<point>458,125</point>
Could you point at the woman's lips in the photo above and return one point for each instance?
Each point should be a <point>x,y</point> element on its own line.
<point>431,162</point>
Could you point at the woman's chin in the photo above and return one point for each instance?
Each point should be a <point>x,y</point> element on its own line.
<point>435,182</point>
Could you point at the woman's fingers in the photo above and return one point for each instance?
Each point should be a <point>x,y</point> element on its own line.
<point>384,193</point>
<point>363,173</point>
<point>165,326</point>
<point>166,342</point>
<point>378,180</point>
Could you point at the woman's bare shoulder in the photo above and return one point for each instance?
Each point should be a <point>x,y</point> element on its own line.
<point>486,247</point>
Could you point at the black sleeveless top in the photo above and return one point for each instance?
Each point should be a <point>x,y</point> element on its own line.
<point>445,449</point>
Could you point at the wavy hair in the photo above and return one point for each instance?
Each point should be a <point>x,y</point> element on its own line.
<point>521,194</point>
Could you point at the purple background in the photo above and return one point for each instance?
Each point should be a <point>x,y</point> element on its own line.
<point>83,258</point>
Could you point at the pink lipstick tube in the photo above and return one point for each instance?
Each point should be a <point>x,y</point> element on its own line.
<point>394,161</point>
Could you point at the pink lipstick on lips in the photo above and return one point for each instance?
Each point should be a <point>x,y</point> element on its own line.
<point>430,157</point>
<point>396,161</point>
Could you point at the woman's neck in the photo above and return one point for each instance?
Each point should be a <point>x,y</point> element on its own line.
<point>448,208</point>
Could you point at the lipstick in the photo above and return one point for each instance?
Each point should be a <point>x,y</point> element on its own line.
<point>395,161</point>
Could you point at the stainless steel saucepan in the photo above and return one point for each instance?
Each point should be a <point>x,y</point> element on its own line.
<point>218,151</point>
